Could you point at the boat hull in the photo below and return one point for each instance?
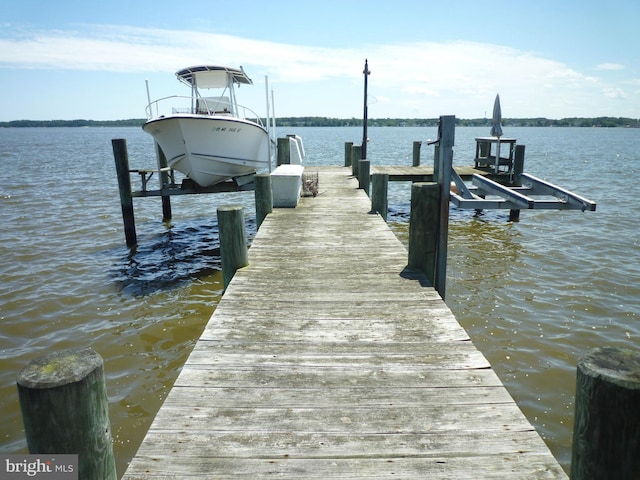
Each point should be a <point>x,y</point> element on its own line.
<point>211,149</point>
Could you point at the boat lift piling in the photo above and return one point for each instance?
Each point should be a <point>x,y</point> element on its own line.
<point>165,178</point>
<point>121,157</point>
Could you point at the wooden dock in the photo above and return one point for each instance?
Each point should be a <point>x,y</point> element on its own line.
<point>423,173</point>
<point>325,359</point>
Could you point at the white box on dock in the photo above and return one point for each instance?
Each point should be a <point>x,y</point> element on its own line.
<point>286,185</point>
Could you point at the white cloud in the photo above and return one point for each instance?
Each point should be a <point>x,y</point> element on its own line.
<point>614,93</point>
<point>424,78</point>
<point>609,66</point>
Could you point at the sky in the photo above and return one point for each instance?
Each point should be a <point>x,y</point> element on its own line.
<point>88,59</point>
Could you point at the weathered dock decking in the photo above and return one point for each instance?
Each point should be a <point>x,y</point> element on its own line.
<point>423,173</point>
<point>325,360</point>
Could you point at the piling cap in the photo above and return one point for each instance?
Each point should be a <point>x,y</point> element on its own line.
<point>59,368</point>
<point>616,365</point>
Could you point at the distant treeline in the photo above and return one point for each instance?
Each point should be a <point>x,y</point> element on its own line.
<point>475,122</point>
<point>355,122</point>
<point>132,122</point>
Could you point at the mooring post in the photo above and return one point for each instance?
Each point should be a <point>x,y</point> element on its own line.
<point>347,153</point>
<point>416,153</point>
<point>284,151</point>
<point>445,163</point>
<point>233,241</point>
<point>424,221</point>
<point>356,156</point>
<point>63,398</point>
<point>121,157</point>
<point>379,201</point>
<point>364,178</point>
<point>164,181</point>
<point>263,197</point>
<point>606,432</point>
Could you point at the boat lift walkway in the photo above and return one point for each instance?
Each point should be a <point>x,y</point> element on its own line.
<point>326,359</point>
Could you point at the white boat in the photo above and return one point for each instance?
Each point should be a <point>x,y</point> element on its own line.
<point>209,138</point>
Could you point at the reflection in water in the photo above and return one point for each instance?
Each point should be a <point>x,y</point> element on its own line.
<point>180,253</point>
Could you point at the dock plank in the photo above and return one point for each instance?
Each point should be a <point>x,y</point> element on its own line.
<point>424,173</point>
<point>327,359</point>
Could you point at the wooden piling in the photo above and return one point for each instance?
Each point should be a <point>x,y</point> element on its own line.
<point>356,156</point>
<point>424,222</point>
<point>284,151</point>
<point>233,241</point>
<point>263,197</point>
<point>364,178</point>
<point>379,201</point>
<point>518,165</point>
<point>514,215</point>
<point>164,180</point>
<point>606,433</point>
<point>436,162</point>
<point>446,141</point>
<point>347,153</point>
<point>121,157</point>
<point>416,153</point>
<point>518,169</point>
<point>65,410</point>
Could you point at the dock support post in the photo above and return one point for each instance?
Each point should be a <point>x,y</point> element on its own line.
<point>356,156</point>
<point>606,433</point>
<point>424,222</point>
<point>263,197</point>
<point>284,151</point>
<point>63,398</point>
<point>518,165</point>
<point>436,160</point>
<point>233,241</point>
<point>164,180</point>
<point>379,201</point>
<point>124,185</point>
<point>518,169</point>
<point>347,153</point>
<point>446,139</point>
<point>364,178</point>
<point>416,153</point>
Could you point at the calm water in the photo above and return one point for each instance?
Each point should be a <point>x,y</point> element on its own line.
<point>534,295</point>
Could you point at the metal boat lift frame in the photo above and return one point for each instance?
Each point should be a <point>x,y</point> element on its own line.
<point>520,197</point>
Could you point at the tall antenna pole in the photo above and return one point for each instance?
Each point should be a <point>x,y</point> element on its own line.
<point>366,73</point>
<point>269,129</point>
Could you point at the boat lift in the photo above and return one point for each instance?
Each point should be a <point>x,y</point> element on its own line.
<point>492,188</point>
<point>532,193</point>
<point>510,189</point>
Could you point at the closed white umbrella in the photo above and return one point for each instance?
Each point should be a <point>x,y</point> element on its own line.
<point>496,127</point>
